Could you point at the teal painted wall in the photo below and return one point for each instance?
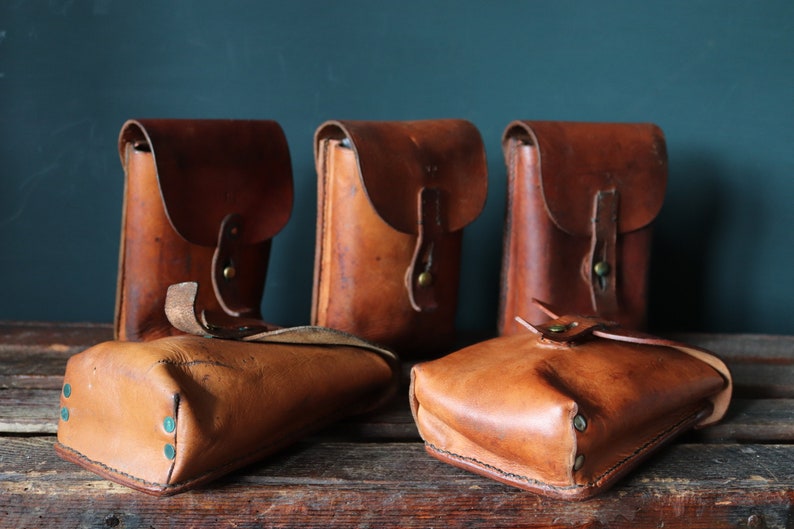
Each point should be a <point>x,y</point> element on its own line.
<point>717,76</point>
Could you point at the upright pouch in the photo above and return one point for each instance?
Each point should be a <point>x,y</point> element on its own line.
<point>581,199</point>
<point>170,414</point>
<point>565,408</point>
<point>393,199</point>
<point>202,201</point>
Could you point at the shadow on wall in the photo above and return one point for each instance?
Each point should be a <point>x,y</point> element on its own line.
<point>689,249</point>
<point>682,246</point>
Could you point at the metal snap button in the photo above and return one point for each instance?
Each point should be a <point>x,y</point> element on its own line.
<point>169,424</point>
<point>602,268</point>
<point>425,279</point>
<point>580,423</point>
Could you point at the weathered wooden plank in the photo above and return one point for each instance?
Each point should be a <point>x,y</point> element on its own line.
<point>26,411</point>
<point>748,420</point>
<point>33,355</point>
<point>749,348</point>
<point>735,347</point>
<point>762,381</point>
<point>46,334</point>
<point>753,421</point>
<point>398,485</point>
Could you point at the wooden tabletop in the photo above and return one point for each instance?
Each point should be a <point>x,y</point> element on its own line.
<point>373,471</point>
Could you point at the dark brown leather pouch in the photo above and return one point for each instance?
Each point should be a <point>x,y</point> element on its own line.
<point>170,414</point>
<point>393,200</point>
<point>581,199</point>
<point>565,408</point>
<point>202,201</point>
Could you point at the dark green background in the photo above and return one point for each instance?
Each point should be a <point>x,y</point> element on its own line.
<point>717,76</point>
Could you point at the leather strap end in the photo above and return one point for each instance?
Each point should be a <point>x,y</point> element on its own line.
<point>422,274</point>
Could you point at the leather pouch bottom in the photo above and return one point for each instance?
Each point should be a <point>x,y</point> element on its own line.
<point>567,410</point>
<point>171,414</point>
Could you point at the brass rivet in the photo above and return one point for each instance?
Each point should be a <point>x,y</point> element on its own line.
<point>578,462</point>
<point>229,272</point>
<point>169,451</point>
<point>67,390</point>
<point>580,423</point>
<point>425,279</point>
<point>169,424</point>
<point>557,328</point>
<point>601,268</point>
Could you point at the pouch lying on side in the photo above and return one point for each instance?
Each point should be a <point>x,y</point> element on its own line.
<point>170,414</point>
<point>568,409</point>
<point>393,200</point>
<point>581,201</point>
<point>202,201</point>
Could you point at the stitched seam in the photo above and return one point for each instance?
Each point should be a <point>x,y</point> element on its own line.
<point>322,250</point>
<point>508,235</point>
<point>592,483</point>
<point>231,465</point>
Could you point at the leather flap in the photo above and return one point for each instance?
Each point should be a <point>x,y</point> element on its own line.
<point>397,159</point>
<point>208,169</point>
<point>577,160</point>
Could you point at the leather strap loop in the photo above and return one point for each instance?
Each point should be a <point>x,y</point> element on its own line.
<point>422,273</point>
<point>180,307</point>
<point>603,265</point>
<point>225,269</point>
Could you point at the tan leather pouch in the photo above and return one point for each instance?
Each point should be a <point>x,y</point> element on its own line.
<point>202,201</point>
<point>393,199</point>
<point>581,199</point>
<point>566,408</point>
<point>170,414</point>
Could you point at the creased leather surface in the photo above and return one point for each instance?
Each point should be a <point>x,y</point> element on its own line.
<point>393,198</point>
<point>507,408</point>
<point>170,414</point>
<point>554,234</point>
<point>182,179</point>
<point>396,159</point>
<point>209,168</point>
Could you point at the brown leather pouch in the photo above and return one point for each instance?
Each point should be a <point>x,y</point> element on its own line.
<point>393,200</point>
<point>202,200</point>
<point>567,409</point>
<point>170,414</point>
<point>580,202</point>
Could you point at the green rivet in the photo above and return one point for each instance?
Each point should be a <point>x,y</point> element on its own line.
<point>578,462</point>
<point>169,451</point>
<point>580,423</point>
<point>601,268</point>
<point>65,413</point>
<point>557,328</point>
<point>169,424</point>
<point>67,390</point>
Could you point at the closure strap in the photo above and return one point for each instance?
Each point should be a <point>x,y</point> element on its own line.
<point>181,310</point>
<point>570,330</point>
<point>422,273</point>
<point>226,263</point>
<point>603,263</point>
